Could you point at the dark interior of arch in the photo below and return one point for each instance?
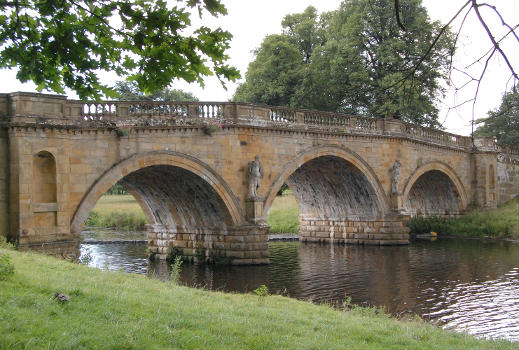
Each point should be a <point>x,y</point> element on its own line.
<point>330,187</point>
<point>433,194</point>
<point>179,198</point>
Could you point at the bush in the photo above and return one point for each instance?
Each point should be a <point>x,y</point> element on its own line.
<point>5,244</point>
<point>176,269</point>
<point>6,267</point>
<point>172,253</point>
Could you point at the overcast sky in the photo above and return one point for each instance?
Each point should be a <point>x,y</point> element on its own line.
<point>250,21</point>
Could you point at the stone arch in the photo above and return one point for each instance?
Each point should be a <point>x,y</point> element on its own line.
<point>330,153</point>
<point>439,180</point>
<point>44,178</point>
<point>167,163</point>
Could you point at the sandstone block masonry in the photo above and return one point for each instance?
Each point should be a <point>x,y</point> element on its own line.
<point>356,179</point>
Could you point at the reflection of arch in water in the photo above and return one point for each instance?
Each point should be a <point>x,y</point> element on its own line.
<point>174,190</point>
<point>434,189</point>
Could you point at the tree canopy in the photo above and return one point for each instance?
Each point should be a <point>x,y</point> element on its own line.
<point>69,43</point>
<point>356,60</point>
<point>503,123</point>
<point>129,91</point>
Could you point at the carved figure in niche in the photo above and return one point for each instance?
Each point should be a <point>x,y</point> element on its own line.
<point>255,172</point>
<point>395,177</point>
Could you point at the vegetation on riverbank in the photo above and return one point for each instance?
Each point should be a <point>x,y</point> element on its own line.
<point>115,310</point>
<point>118,211</point>
<point>284,215</point>
<point>502,222</point>
<point>123,212</point>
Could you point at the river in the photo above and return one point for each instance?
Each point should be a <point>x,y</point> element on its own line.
<point>465,285</point>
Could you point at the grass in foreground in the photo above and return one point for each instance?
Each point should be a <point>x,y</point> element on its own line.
<point>115,310</point>
<point>502,222</point>
<point>284,215</point>
<point>118,211</point>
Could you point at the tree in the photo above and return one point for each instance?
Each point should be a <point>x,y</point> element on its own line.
<point>356,60</point>
<point>503,123</point>
<point>129,91</point>
<point>274,76</point>
<point>68,43</point>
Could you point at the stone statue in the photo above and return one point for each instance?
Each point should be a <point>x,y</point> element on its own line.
<point>395,177</point>
<point>255,173</point>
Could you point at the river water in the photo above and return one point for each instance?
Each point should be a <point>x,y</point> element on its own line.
<point>464,285</point>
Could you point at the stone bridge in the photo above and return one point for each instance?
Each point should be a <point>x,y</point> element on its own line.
<point>356,179</point>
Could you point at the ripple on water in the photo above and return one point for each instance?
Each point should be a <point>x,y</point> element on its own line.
<point>462,285</point>
<point>489,309</point>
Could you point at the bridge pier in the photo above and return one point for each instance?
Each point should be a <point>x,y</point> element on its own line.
<point>239,245</point>
<point>391,230</point>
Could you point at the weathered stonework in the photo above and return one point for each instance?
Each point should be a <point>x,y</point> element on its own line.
<point>58,157</point>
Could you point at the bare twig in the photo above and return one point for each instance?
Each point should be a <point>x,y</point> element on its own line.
<point>494,42</point>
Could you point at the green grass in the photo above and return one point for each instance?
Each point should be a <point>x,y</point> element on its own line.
<point>283,216</point>
<point>115,310</point>
<point>118,211</point>
<point>502,222</point>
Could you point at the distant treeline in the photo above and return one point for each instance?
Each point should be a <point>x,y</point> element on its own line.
<point>117,189</point>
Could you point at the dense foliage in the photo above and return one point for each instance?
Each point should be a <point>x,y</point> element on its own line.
<point>354,60</point>
<point>64,43</point>
<point>129,91</point>
<point>503,123</point>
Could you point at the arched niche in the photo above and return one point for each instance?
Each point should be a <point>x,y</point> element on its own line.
<point>44,178</point>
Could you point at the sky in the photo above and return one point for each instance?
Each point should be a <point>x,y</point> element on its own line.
<point>250,21</point>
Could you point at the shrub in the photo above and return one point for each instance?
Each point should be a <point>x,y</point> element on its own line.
<point>262,291</point>
<point>176,268</point>
<point>5,244</point>
<point>6,267</point>
<point>172,253</point>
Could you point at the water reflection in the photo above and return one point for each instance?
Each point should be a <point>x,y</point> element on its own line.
<point>465,285</point>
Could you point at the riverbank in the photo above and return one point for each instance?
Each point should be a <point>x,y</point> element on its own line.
<point>500,223</point>
<point>117,310</point>
<point>117,211</point>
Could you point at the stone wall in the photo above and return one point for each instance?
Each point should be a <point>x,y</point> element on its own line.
<point>4,183</point>
<point>507,180</point>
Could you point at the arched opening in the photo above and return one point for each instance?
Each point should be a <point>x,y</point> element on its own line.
<point>181,209</point>
<point>44,178</point>
<point>336,199</point>
<point>433,194</point>
<point>186,204</point>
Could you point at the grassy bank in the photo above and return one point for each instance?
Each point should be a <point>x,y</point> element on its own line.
<point>115,310</point>
<point>502,222</point>
<point>118,211</point>
<point>283,216</point>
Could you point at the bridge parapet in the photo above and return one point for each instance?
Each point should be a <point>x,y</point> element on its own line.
<point>57,110</point>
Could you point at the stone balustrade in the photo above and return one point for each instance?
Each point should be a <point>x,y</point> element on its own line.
<point>57,109</point>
